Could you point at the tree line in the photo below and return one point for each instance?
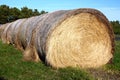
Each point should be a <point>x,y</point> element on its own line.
<point>116,26</point>
<point>8,14</point>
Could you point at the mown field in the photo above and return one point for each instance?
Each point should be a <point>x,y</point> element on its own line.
<point>12,67</point>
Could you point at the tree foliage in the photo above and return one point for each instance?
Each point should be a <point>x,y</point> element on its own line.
<point>4,13</point>
<point>8,14</point>
<point>116,26</point>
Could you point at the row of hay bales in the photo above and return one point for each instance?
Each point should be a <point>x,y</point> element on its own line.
<point>76,38</point>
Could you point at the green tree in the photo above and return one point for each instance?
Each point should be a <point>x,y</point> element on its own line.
<point>8,14</point>
<point>116,26</point>
<point>36,12</point>
<point>4,14</point>
<point>43,12</point>
<point>25,12</point>
<point>14,14</point>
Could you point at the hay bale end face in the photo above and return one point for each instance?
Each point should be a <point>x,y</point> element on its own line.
<point>77,38</point>
<point>81,40</point>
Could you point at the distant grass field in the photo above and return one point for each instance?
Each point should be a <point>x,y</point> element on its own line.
<point>12,67</point>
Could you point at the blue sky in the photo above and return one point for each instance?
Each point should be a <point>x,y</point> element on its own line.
<point>111,8</point>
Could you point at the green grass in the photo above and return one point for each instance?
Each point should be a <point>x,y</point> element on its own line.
<point>116,59</point>
<point>12,67</point>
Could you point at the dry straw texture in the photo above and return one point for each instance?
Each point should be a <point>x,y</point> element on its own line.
<point>77,38</point>
<point>4,33</point>
<point>2,27</point>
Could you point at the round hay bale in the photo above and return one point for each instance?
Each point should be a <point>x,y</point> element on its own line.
<point>20,36</point>
<point>30,52</point>
<point>11,31</point>
<point>84,39</point>
<point>81,40</point>
<point>22,33</point>
<point>15,29</point>
<point>16,34</point>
